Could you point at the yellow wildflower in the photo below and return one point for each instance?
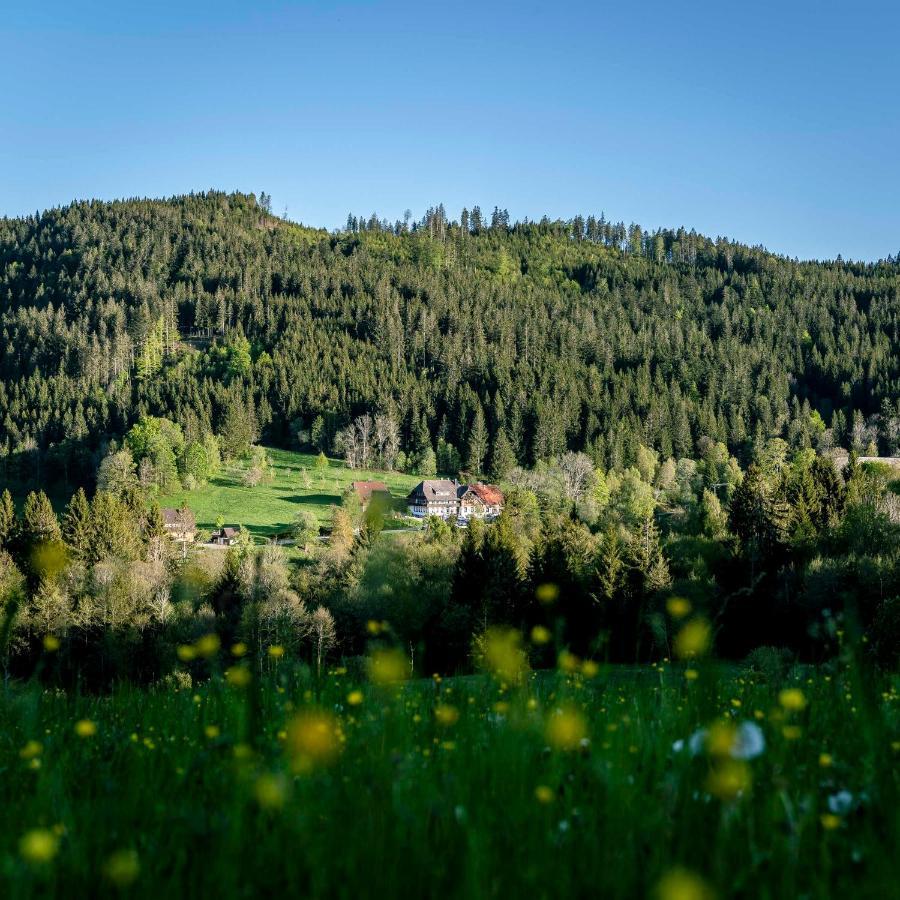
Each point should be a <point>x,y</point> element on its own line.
<point>678,607</point>
<point>208,645</point>
<point>85,728</point>
<point>238,676</point>
<point>31,750</point>
<point>728,779</point>
<point>355,698</point>
<point>792,699</point>
<point>547,593</point>
<point>38,846</point>
<point>312,739</point>
<point>680,884</point>
<point>388,666</point>
<point>51,643</point>
<point>693,640</point>
<point>239,649</point>
<point>276,651</point>
<point>122,868</point>
<point>540,635</point>
<point>269,791</point>
<point>543,794</point>
<point>446,715</point>
<point>566,729</point>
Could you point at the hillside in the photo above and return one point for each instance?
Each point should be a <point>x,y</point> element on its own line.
<point>510,342</point>
<point>271,508</point>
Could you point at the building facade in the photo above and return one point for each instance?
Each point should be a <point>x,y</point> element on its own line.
<point>451,500</point>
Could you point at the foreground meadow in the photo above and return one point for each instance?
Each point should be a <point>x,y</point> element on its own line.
<point>264,780</point>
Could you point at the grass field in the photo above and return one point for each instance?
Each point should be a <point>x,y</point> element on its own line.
<point>567,785</point>
<point>269,509</point>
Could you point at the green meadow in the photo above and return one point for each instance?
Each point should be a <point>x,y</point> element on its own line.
<point>270,508</point>
<point>261,780</point>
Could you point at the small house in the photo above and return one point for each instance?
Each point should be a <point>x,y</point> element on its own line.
<point>178,523</point>
<point>366,490</point>
<point>224,537</point>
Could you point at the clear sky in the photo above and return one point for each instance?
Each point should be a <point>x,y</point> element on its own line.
<point>772,123</point>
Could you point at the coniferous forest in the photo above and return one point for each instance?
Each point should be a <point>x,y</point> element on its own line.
<point>535,338</point>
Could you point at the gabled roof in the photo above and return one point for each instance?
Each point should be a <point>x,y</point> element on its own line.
<point>169,515</point>
<point>365,489</point>
<point>489,494</point>
<point>434,490</point>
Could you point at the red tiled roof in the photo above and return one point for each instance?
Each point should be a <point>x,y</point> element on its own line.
<point>490,494</point>
<point>365,489</point>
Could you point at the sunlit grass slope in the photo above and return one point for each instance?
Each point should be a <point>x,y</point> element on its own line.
<point>270,508</point>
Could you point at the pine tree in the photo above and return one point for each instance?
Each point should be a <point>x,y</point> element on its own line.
<point>76,526</point>
<point>39,522</point>
<point>478,441</point>
<point>7,519</point>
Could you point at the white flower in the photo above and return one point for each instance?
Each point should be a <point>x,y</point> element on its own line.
<point>678,746</point>
<point>749,741</point>
<point>697,741</point>
<point>840,803</point>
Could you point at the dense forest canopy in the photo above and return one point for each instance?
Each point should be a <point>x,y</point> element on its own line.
<point>541,337</point>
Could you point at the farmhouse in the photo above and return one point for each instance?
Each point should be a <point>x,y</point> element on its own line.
<point>480,501</point>
<point>224,537</point>
<point>365,490</point>
<point>434,497</point>
<point>178,523</point>
<point>451,500</point>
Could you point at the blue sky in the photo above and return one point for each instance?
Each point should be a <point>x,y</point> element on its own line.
<point>772,123</point>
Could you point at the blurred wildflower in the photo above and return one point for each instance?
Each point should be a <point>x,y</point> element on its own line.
<point>830,821</point>
<point>543,794</point>
<point>678,607</point>
<point>239,649</point>
<point>841,803</point>
<point>276,651</point>
<point>446,715</point>
<point>238,676</point>
<point>693,640</point>
<point>791,732</point>
<point>269,791</point>
<point>680,884</point>
<point>589,668</point>
<point>825,760</point>
<point>208,645</point>
<point>355,698</point>
<point>566,728</point>
<point>31,750</point>
<point>388,666</point>
<point>51,643</point>
<point>312,739</point>
<point>122,868</point>
<point>568,662</point>
<point>729,779</point>
<point>540,635</point>
<point>85,728</point>
<point>212,731</point>
<point>691,674</point>
<point>38,846</point>
<point>547,593</point>
<point>501,653</point>
<point>792,699</point>
<point>186,653</point>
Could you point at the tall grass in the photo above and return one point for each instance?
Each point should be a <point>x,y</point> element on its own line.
<point>567,784</point>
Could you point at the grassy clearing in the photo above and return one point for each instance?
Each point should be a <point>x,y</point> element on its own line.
<point>271,508</point>
<point>564,786</point>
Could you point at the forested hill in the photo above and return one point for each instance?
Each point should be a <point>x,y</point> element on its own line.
<point>506,340</point>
